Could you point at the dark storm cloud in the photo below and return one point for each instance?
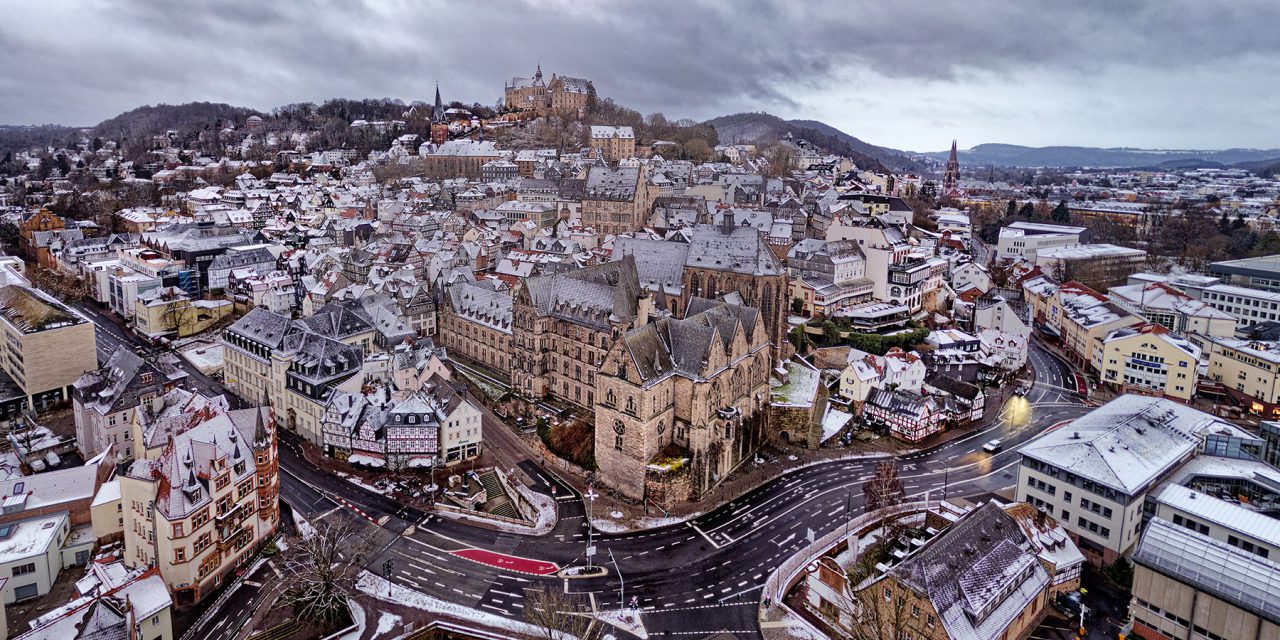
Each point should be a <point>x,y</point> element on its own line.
<point>82,62</point>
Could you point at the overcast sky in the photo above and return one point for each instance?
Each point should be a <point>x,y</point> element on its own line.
<point>911,75</point>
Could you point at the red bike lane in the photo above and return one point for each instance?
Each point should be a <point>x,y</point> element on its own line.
<point>510,563</point>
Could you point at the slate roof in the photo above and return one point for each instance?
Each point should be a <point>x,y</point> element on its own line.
<point>112,388</point>
<point>263,326</point>
<point>737,249</point>
<point>671,346</point>
<point>593,296</point>
<point>619,184</point>
<point>482,302</point>
<point>237,259</point>
<point>979,573</point>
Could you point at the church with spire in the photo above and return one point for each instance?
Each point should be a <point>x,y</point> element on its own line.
<point>951,175</point>
<point>439,123</point>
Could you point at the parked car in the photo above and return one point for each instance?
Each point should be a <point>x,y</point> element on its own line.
<point>993,446</point>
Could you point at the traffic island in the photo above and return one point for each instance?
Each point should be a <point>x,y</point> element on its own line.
<point>583,572</point>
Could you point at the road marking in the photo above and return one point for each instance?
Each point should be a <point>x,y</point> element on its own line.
<point>704,535</point>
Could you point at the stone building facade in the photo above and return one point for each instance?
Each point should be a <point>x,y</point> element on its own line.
<point>613,143</point>
<point>682,401</point>
<point>725,260</point>
<point>616,200</point>
<point>476,325</point>
<point>565,325</point>
<point>562,95</point>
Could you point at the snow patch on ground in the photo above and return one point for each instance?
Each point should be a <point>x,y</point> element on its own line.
<point>386,622</point>
<point>609,526</point>
<point>381,589</point>
<point>626,619</point>
<point>357,620</point>
<point>304,528</point>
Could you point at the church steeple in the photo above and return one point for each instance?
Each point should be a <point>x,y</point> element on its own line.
<point>537,77</point>
<point>951,176</point>
<point>437,113</point>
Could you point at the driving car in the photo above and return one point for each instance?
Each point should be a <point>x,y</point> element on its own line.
<point>993,446</point>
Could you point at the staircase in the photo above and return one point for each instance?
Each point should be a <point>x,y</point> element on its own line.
<point>498,503</point>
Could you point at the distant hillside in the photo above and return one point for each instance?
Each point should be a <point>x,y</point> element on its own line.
<point>21,137</point>
<point>747,128</point>
<point>1010,155</point>
<point>150,120</point>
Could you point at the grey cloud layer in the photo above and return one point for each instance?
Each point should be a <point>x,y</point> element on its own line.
<point>81,62</point>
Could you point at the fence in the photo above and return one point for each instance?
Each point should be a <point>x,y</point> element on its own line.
<point>784,576</point>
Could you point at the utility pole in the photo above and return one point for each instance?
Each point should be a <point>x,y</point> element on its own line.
<point>591,496</point>
<point>622,586</point>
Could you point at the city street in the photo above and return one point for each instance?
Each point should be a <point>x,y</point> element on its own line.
<point>703,576</point>
<point>689,579</point>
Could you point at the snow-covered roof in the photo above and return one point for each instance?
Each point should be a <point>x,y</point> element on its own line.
<point>1126,444</point>
<point>1220,512</point>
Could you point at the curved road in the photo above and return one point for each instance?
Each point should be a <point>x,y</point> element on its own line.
<point>691,579</point>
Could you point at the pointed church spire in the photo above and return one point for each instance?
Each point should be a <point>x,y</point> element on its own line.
<point>537,77</point>
<point>260,428</point>
<point>951,177</point>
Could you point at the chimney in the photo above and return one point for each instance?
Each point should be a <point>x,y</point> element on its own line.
<point>644,309</point>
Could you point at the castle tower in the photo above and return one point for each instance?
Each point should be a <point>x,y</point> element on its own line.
<point>951,177</point>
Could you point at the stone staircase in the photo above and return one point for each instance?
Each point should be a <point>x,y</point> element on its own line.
<point>498,503</point>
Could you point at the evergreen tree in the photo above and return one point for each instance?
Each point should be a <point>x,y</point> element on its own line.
<point>1027,212</point>
<point>1224,223</point>
<point>1060,213</point>
<point>1011,210</point>
<point>1239,223</point>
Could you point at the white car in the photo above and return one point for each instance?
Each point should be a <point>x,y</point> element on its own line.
<point>993,446</point>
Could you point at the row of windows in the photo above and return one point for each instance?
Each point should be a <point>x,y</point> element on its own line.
<point>1245,545</point>
<point>1191,524</point>
<point>1093,527</point>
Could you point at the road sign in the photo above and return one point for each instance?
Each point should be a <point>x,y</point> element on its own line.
<point>591,551</point>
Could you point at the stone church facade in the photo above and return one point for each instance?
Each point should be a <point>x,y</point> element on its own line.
<point>681,403</point>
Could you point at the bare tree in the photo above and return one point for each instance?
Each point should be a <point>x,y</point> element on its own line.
<point>884,610</point>
<point>321,569</point>
<point>884,489</point>
<point>556,614</point>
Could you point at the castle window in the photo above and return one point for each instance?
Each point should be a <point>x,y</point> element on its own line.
<point>617,442</point>
<point>631,405</point>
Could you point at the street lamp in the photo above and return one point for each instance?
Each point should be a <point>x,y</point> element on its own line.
<point>622,586</point>
<point>591,496</point>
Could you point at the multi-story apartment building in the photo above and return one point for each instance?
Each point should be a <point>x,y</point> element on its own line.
<point>47,345</point>
<point>403,430</point>
<point>1250,372</point>
<point>882,245</point>
<point>566,323</point>
<point>613,143</point>
<point>1166,305</point>
<point>105,400</point>
<point>1082,317</point>
<point>696,387</point>
<point>202,495</point>
<point>1025,240</point>
<point>1247,306</point>
<point>827,276</point>
<point>476,324</point>
<point>1149,359</point>
<point>1095,474</point>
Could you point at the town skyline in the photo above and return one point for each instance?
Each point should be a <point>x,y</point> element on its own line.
<point>1102,77</point>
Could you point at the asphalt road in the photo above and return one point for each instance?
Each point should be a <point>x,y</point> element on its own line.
<point>706,575</point>
<point>691,579</point>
